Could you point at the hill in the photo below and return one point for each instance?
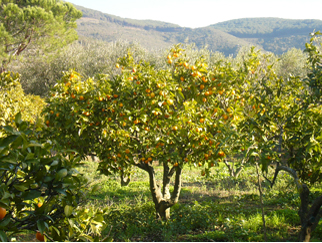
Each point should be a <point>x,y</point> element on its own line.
<point>271,34</point>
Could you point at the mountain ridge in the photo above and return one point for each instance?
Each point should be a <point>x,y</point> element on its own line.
<point>276,35</point>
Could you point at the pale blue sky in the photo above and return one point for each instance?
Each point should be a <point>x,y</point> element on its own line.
<point>201,13</point>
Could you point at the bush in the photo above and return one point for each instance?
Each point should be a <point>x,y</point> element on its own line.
<point>41,188</point>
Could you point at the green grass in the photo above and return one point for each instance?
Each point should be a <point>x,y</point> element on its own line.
<point>218,208</point>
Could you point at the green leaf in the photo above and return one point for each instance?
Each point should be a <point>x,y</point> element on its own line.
<point>68,210</point>
<point>61,191</point>
<point>6,141</point>
<point>3,236</point>
<point>4,222</point>
<point>18,120</point>
<point>61,174</point>
<point>34,144</point>
<point>20,187</point>
<point>99,218</point>
<point>9,129</point>
<point>30,156</point>
<point>41,226</point>
<point>32,195</point>
<point>6,195</point>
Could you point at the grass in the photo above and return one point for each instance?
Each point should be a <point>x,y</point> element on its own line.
<point>217,208</point>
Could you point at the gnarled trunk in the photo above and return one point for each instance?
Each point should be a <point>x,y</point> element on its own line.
<point>309,217</point>
<point>125,179</point>
<point>161,195</point>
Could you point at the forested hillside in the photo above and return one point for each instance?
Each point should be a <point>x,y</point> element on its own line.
<point>270,34</point>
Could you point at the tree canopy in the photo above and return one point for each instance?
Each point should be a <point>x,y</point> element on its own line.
<point>39,26</point>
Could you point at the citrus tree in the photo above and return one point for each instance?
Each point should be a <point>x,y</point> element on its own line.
<point>175,116</point>
<point>13,100</point>
<point>41,191</point>
<point>281,128</point>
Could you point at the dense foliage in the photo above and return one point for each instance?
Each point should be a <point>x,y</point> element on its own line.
<point>39,26</point>
<point>13,100</point>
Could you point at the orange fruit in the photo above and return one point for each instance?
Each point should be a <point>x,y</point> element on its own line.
<point>47,122</point>
<point>39,204</point>
<point>3,213</point>
<point>170,102</point>
<point>176,164</point>
<point>221,154</point>
<point>117,65</point>
<point>182,79</point>
<point>136,121</point>
<point>81,97</point>
<point>40,236</point>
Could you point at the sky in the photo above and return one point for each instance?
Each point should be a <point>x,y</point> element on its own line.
<point>201,13</point>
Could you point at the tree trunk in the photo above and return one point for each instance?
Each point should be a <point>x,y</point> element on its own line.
<point>309,220</point>
<point>261,201</point>
<point>309,217</point>
<point>163,199</point>
<point>162,211</point>
<point>125,179</point>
